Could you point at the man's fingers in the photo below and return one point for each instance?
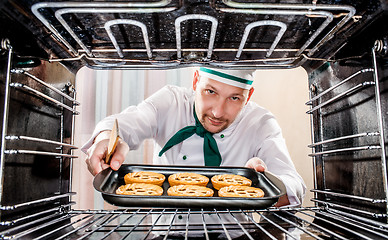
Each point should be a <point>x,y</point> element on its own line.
<point>257,164</point>
<point>97,153</point>
<point>95,158</point>
<point>95,164</point>
<point>119,155</point>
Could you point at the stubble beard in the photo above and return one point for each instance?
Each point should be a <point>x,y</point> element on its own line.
<point>222,128</point>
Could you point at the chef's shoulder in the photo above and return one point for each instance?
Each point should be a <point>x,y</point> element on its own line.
<point>260,118</point>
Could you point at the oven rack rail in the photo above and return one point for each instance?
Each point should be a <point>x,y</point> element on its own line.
<point>273,223</point>
<point>317,105</point>
<point>66,103</point>
<point>42,95</point>
<point>103,57</point>
<point>45,97</point>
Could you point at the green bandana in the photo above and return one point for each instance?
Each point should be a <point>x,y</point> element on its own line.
<point>210,149</point>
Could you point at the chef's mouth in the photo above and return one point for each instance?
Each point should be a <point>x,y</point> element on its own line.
<point>216,122</point>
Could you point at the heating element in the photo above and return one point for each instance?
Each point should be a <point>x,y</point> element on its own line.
<point>96,32</point>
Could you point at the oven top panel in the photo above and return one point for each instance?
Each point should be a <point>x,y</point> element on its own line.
<point>170,34</point>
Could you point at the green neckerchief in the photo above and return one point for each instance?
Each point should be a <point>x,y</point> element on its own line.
<point>210,149</point>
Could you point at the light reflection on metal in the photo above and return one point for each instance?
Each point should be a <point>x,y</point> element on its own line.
<point>213,31</point>
<point>282,26</point>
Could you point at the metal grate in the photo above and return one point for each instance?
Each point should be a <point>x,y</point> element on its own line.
<point>291,223</point>
<point>21,146</point>
<point>165,34</point>
<point>361,146</point>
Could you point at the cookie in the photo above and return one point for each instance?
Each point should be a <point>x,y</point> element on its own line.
<point>241,191</point>
<point>224,180</point>
<point>190,191</point>
<point>186,178</point>
<point>144,189</point>
<point>145,177</point>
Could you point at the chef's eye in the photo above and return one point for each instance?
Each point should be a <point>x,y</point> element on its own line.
<point>210,91</point>
<point>235,98</point>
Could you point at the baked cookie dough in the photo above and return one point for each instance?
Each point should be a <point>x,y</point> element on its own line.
<point>144,189</point>
<point>186,178</point>
<point>190,191</point>
<point>145,177</point>
<point>224,180</point>
<point>241,191</point>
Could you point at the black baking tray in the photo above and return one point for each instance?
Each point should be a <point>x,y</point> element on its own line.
<point>107,181</point>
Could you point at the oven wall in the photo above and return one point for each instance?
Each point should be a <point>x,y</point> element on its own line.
<point>357,169</point>
<point>34,175</point>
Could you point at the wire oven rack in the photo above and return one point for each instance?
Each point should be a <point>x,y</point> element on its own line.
<point>287,223</point>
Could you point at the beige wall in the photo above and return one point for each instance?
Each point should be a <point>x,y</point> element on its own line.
<point>284,93</point>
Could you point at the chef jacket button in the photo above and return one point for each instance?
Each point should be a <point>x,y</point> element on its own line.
<point>222,135</point>
<point>184,157</point>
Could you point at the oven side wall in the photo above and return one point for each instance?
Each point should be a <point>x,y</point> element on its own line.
<point>349,167</point>
<point>34,169</point>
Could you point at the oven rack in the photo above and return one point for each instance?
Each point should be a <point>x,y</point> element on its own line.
<point>326,148</point>
<point>107,51</point>
<point>273,223</point>
<point>39,146</point>
<point>40,94</point>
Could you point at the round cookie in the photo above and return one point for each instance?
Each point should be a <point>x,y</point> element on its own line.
<point>224,180</point>
<point>241,191</point>
<point>144,177</point>
<point>190,191</point>
<point>186,178</point>
<point>144,189</point>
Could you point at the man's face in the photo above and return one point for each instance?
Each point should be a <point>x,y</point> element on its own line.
<point>217,104</point>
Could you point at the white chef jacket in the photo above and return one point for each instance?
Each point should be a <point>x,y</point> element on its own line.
<point>254,133</point>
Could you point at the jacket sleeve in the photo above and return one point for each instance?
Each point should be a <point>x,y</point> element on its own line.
<point>273,151</point>
<point>136,123</point>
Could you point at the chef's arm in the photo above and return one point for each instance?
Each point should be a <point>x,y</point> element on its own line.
<point>259,165</point>
<point>96,154</point>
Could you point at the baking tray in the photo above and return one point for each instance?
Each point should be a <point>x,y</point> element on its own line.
<point>107,181</point>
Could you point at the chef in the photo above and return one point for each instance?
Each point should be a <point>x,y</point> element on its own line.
<point>212,124</point>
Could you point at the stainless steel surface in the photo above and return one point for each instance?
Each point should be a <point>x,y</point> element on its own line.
<point>5,114</point>
<point>349,138</point>
<point>43,149</point>
<point>14,138</point>
<point>213,30</point>
<point>24,204</point>
<point>22,151</point>
<point>348,106</point>
<point>248,29</point>
<point>42,95</point>
<point>307,223</point>
<point>381,125</point>
<point>324,22</point>
<point>46,85</point>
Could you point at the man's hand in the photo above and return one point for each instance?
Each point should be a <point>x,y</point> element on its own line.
<point>257,164</point>
<point>96,154</point>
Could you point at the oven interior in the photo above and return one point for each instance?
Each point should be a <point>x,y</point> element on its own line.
<point>341,44</point>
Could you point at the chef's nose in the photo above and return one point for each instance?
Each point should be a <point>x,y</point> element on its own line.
<point>219,109</point>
